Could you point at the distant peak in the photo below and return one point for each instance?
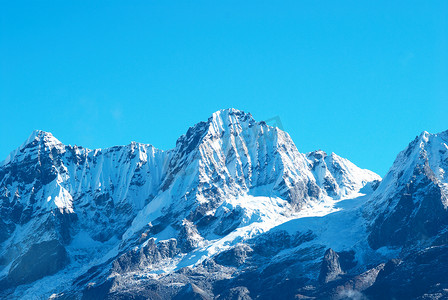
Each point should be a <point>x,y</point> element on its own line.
<point>426,136</point>
<point>230,121</point>
<point>228,111</point>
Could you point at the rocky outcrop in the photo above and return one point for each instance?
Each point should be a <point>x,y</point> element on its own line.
<point>147,256</point>
<point>193,292</point>
<point>236,293</point>
<point>331,268</point>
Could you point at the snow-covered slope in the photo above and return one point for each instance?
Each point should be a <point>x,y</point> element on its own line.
<point>229,180</point>
<point>338,176</point>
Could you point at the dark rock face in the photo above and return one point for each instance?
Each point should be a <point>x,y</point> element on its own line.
<point>271,243</point>
<point>193,292</point>
<point>347,260</point>
<point>236,293</point>
<point>331,268</point>
<point>40,260</point>
<point>100,291</point>
<point>5,230</point>
<point>229,222</point>
<point>420,275</point>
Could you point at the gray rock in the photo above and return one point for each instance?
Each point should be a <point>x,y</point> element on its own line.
<point>236,293</point>
<point>331,268</point>
<point>193,292</point>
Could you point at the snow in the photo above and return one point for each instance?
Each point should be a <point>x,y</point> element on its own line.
<point>82,240</point>
<point>148,214</point>
<point>339,227</point>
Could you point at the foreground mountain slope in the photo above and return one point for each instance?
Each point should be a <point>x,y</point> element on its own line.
<point>233,199</point>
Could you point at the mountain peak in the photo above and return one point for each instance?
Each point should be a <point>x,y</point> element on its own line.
<point>224,120</point>
<point>229,112</point>
<point>229,117</point>
<point>41,137</point>
<point>38,138</point>
<point>427,138</point>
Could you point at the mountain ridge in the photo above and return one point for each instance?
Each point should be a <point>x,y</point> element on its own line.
<point>233,200</point>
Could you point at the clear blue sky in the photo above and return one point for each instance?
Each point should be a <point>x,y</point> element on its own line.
<point>359,78</point>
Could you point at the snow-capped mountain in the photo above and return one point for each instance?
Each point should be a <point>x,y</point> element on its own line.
<point>233,201</point>
<point>412,201</point>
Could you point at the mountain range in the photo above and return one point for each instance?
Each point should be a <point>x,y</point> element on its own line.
<point>234,211</point>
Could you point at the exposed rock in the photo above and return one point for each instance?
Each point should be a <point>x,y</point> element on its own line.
<point>236,293</point>
<point>150,254</point>
<point>193,292</point>
<point>189,237</point>
<point>331,268</point>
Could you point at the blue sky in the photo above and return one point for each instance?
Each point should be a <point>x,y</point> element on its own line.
<point>357,78</point>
